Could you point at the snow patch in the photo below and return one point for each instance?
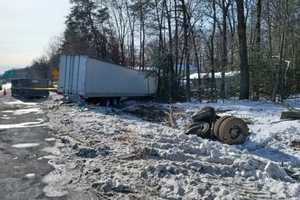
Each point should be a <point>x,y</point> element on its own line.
<point>19,102</point>
<point>50,139</point>
<point>25,145</point>
<point>22,125</point>
<point>30,176</point>
<point>24,111</point>
<point>6,86</point>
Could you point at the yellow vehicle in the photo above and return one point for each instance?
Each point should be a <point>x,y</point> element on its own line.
<point>55,74</point>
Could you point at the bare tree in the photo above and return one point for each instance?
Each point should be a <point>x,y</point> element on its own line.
<point>212,52</point>
<point>186,50</point>
<point>243,50</point>
<point>225,8</point>
<point>257,52</point>
<point>118,9</point>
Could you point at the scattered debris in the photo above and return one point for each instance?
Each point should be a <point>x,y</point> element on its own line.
<point>108,186</point>
<point>295,144</point>
<point>104,151</point>
<point>87,153</point>
<point>293,174</point>
<point>150,113</point>
<point>276,172</point>
<point>291,115</point>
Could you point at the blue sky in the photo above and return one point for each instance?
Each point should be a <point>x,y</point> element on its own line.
<point>26,28</point>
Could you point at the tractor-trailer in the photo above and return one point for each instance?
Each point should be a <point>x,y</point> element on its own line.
<point>90,78</point>
<point>30,88</point>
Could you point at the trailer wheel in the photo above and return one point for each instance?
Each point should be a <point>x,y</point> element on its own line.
<point>204,130</point>
<point>192,130</point>
<point>207,114</point>
<point>233,131</point>
<point>201,129</point>
<point>216,126</point>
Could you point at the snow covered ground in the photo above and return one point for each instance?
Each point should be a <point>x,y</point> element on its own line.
<point>6,86</point>
<point>107,154</point>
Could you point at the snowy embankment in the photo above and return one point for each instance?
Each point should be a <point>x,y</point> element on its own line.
<point>108,154</point>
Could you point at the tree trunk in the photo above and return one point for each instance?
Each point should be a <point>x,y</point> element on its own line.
<point>212,54</point>
<point>176,42</point>
<point>243,51</point>
<point>131,21</point>
<point>142,35</point>
<point>256,72</point>
<point>170,54</point>
<point>161,75</point>
<point>225,8</point>
<point>232,25</point>
<point>270,52</point>
<point>187,51</point>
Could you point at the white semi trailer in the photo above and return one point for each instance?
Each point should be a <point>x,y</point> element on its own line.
<point>90,78</point>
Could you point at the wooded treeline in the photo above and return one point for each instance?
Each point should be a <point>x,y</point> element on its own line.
<point>258,38</point>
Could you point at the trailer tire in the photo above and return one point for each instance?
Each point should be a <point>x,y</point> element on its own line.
<point>216,126</point>
<point>205,130</point>
<point>207,114</point>
<point>233,131</point>
<point>201,129</point>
